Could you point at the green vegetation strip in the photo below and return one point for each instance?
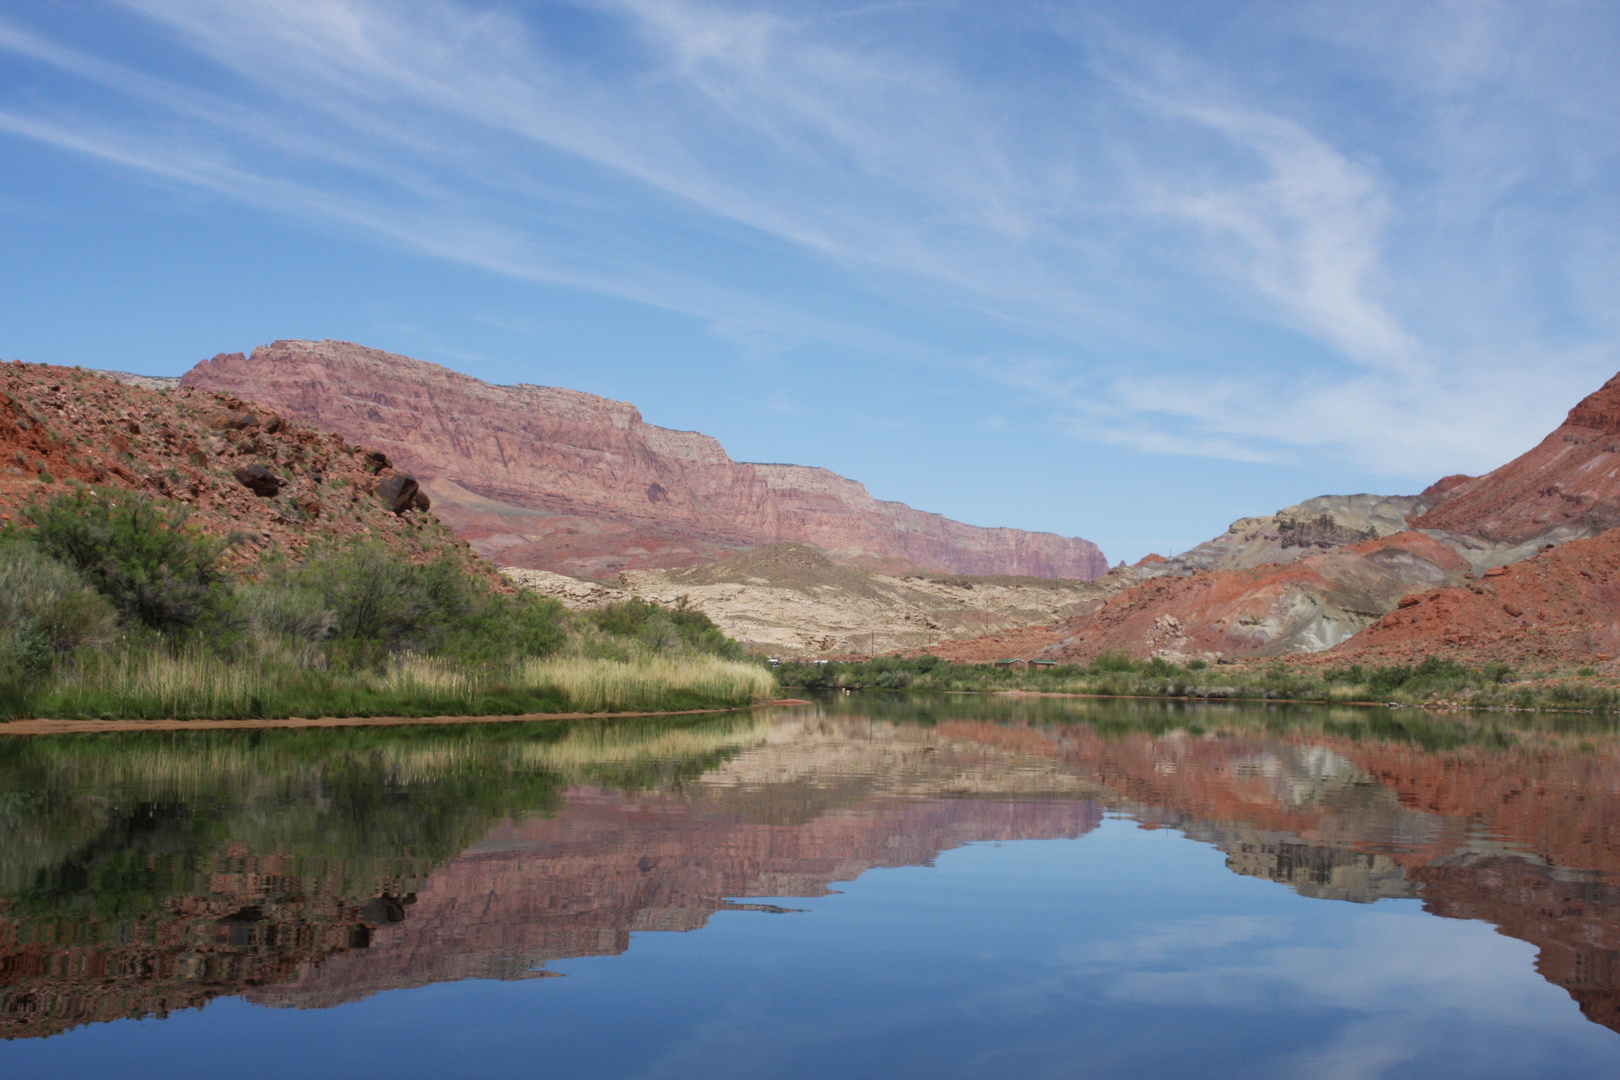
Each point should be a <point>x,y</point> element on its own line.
<point>1433,682</point>
<point>113,607</point>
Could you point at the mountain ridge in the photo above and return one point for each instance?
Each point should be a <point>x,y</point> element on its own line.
<point>576,483</point>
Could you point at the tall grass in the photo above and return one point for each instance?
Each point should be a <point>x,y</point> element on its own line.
<point>195,682</point>
<point>650,682</point>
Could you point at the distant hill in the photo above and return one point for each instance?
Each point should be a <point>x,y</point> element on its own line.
<point>1519,562</point>
<point>560,480</point>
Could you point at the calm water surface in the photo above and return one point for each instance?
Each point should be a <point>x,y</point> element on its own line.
<point>872,886</point>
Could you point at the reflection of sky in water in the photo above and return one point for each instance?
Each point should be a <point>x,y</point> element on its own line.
<point>1125,953</point>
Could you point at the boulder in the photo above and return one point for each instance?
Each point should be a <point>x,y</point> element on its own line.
<point>398,492</point>
<point>233,421</point>
<point>422,500</point>
<point>258,479</point>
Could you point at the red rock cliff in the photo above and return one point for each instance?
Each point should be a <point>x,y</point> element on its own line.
<point>562,480</point>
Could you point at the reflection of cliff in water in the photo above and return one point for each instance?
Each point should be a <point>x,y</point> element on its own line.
<point>1501,819</point>
<point>140,874</point>
<point>154,874</point>
<point>308,869</point>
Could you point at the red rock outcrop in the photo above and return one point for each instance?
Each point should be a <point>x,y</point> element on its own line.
<point>1560,605</point>
<point>560,480</point>
<point>1533,534</point>
<point>1273,610</point>
<point>1571,478</point>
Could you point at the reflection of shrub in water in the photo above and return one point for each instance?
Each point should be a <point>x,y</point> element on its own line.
<point>112,825</point>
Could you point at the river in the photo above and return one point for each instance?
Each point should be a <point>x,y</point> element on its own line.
<point>871,885</point>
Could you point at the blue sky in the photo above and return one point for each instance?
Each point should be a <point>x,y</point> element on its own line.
<point>1119,270</point>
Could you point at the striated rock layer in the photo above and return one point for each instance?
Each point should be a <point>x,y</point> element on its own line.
<point>1570,480</point>
<point>565,481</point>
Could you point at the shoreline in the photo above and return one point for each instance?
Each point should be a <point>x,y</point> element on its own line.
<point>69,727</point>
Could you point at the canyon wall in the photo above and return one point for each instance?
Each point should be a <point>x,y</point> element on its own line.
<point>561,480</point>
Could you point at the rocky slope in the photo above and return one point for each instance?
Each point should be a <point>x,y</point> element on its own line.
<point>1570,482</point>
<point>569,482</point>
<point>1273,610</point>
<point>1292,533</point>
<point>201,450</point>
<point>792,601</point>
<point>1393,578</point>
<point>1562,605</point>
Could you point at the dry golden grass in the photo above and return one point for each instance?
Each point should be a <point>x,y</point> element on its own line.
<point>623,685</point>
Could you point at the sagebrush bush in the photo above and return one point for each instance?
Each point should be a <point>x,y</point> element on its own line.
<point>352,629</point>
<point>362,592</point>
<point>46,611</point>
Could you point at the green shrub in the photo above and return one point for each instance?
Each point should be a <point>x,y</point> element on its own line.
<point>46,610</point>
<point>135,551</point>
<point>666,629</point>
<point>1112,661</point>
<point>377,603</point>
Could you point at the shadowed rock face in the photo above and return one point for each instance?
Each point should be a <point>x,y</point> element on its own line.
<point>560,480</point>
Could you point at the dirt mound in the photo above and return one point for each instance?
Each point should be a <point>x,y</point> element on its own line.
<point>785,566</point>
<point>210,452</point>
<point>1570,480</point>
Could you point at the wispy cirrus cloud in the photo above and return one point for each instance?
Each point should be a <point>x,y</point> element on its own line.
<point>1302,237</point>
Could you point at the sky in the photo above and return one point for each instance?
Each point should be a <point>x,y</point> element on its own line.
<point>1125,271</point>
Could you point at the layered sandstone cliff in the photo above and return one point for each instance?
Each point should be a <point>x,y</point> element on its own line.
<point>566,481</point>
